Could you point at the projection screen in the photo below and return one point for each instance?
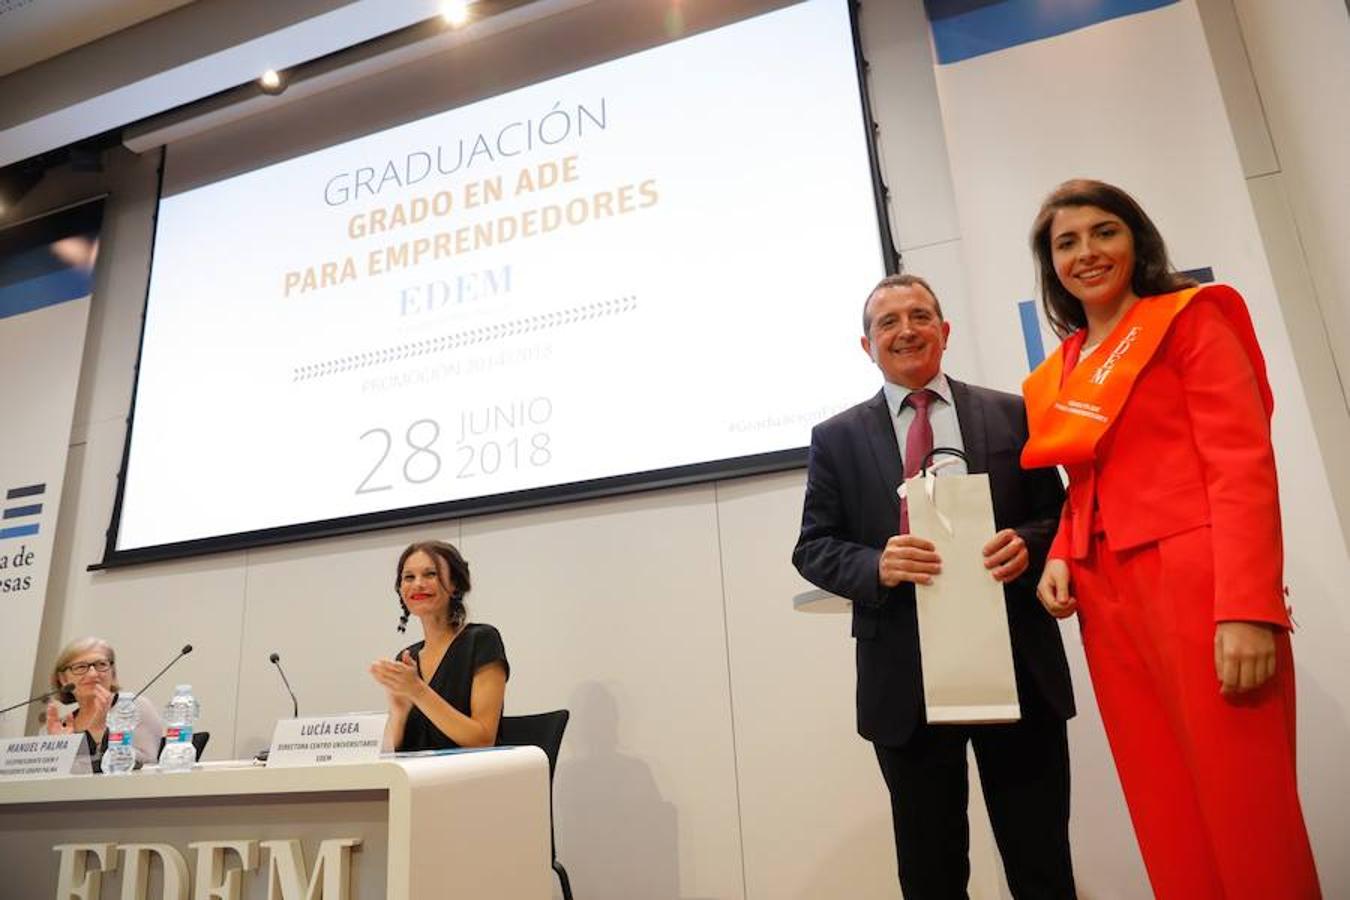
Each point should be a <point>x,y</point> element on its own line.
<point>642,273</point>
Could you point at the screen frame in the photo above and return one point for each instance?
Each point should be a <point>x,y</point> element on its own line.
<point>568,492</point>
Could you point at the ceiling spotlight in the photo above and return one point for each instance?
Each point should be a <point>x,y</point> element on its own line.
<point>455,12</point>
<point>271,82</point>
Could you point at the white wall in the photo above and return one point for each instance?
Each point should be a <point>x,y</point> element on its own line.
<point>1277,71</point>
<point>1300,60</point>
<point>711,753</point>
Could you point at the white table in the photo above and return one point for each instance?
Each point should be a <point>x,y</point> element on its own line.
<point>463,825</point>
<point>821,601</point>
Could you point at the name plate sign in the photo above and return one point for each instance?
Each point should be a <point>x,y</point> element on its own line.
<point>43,756</point>
<point>323,740</point>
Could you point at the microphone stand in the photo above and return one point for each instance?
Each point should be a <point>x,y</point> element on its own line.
<point>187,648</point>
<point>29,702</point>
<point>275,659</point>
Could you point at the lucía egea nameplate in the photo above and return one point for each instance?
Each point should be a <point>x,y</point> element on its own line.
<point>325,740</point>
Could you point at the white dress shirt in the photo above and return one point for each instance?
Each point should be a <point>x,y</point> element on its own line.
<point>941,415</point>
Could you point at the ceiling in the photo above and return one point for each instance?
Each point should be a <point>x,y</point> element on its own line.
<point>149,56</point>
<point>34,30</point>
<point>97,66</point>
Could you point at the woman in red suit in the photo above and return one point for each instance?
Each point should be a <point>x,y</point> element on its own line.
<point>1169,547</point>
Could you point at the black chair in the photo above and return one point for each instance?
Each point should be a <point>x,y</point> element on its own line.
<point>545,731</point>
<point>199,739</point>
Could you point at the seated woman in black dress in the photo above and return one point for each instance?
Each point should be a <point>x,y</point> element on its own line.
<point>446,690</point>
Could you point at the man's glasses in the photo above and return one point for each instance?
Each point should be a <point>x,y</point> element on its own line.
<point>98,665</point>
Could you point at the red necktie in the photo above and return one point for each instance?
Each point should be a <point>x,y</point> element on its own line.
<point>918,443</point>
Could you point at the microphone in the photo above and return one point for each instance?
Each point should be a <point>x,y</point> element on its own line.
<point>31,700</point>
<point>275,659</point>
<point>187,648</point>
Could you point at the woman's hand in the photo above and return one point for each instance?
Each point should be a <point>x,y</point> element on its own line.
<point>1053,590</point>
<point>53,721</point>
<point>1244,655</point>
<point>94,706</point>
<point>399,679</point>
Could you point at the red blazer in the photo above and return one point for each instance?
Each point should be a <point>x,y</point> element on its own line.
<point>1190,448</point>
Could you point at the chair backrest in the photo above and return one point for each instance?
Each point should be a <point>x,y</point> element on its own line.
<point>542,730</point>
<point>545,731</point>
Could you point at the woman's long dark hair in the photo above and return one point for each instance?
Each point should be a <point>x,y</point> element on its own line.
<point>1153,273</point>
<point>454,565</point>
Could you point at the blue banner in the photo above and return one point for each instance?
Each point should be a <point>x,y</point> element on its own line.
<point>963,29</point>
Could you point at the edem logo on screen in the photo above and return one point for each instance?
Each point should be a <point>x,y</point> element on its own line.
<point>441,294</point>
<point>82,867</point>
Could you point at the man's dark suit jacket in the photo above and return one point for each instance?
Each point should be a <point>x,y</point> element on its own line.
<point>852,509</point>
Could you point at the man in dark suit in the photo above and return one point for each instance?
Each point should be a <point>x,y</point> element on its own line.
<point>850,545</point>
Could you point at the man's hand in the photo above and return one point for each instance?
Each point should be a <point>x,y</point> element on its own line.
<point>1005,556</point>
<point>1053,591</point>
<point>908,558</point>
<point>1244,655</point>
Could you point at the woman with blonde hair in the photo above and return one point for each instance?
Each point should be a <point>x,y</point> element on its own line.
<point>85,674</point>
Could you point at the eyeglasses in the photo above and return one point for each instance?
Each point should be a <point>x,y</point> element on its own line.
<point>98,665</point>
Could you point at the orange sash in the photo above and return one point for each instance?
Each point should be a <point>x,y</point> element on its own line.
<point>1068,414</point>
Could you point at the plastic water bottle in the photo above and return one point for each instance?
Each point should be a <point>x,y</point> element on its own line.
<point>120,757</point>
<point>180,716</point>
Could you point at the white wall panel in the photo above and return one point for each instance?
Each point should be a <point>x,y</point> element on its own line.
<point>613,608</point>
<point>1241,98</point>
<point>1300,56</point>
<point>912,146</point>
<point>146,612</point>
<point>814,814</point>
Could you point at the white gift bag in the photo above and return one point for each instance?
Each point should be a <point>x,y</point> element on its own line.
<point>964,644</point>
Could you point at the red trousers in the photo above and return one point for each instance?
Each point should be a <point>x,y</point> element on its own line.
<point>1209,779</point>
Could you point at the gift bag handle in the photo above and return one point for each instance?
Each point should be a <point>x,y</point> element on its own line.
<point>930,484</point>
<point>952,455</point>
